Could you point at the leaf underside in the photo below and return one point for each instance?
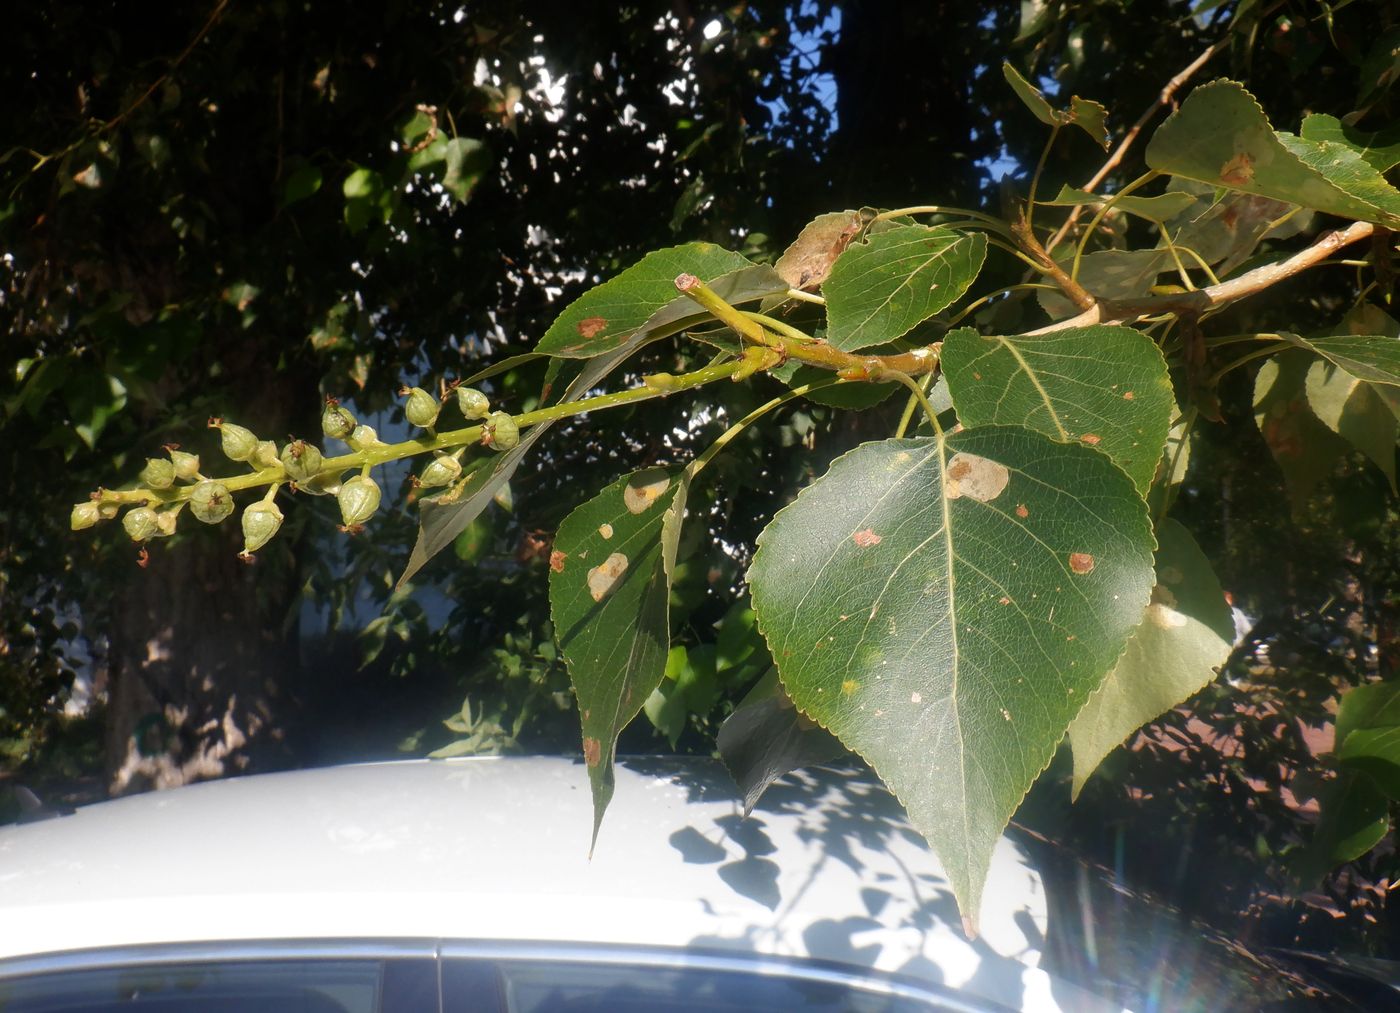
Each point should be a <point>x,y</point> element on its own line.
<point>945,608</point>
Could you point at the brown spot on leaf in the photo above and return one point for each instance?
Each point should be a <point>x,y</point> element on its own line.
<point>592,751</point>
<point>604,577</point>
<point>644,489</point>
<point>606,530</point>
<point>1238,170</point>
<point>1092,439</point>
<point>866,538</point>
<point>1127,395</point>
<point>556,560</point>
<point>1081,562</point>
<point>975,477</point>
<point>1021,511</point>
<point>1004,600</point>
<point>590,326</point>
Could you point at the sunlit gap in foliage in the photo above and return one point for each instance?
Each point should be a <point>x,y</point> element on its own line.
<point>804,64</point>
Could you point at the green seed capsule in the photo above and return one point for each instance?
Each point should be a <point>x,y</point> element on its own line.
<point>141,524</point>
<point>84,515</point>
<point>301,460</point>
<point>211,502</point>
<point>442,470</point>
<point>238,444</point>
<point>473,403</point>
<point>363,437</point>
<point>260,522</point>
<point>502,431</point>
<point>158,473</point>
<point>336,422</point>
<point>186,465</point>
<point>265,456</point>
<point>422,408</point>
<point>358,499</point>
<point>165,520</point>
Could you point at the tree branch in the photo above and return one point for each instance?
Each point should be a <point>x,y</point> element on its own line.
<point>1198,302</point>
<point>1164,98</point>
<point>1076,293</point>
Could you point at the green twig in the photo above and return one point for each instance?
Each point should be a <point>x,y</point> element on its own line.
<point>654,386</point>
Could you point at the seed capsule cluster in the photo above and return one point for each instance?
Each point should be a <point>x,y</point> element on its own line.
<point>170,485</point>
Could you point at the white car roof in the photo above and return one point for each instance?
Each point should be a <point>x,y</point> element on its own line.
<point>827,867</point>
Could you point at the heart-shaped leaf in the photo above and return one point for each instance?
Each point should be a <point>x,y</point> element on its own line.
<point>608,596</point>
<point>945,607</point>
<point>1183,639</point>
<point>882,287</point>
<point>605,317</point>
<point>1221,136</point>
<point>1106,387</point>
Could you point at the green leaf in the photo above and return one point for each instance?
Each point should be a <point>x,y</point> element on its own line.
<point>1221,136</point>
<point>605,317</point>
<point>1086,114</point>
<point>467,161</point>
<point>1306,450</point>
<point>1031,95</point>
<point>807,262</point>
<point>741,653</point>
<point>1354,817</point>
<point>1154,209</point>
<point>1352,409</point>
<point>1368,733</point>
<point>946,607</point>
<point>666,707</point>
<point>608,596</point>
<point>767,737</point>
<point>443,518</point>
<point>1379,148</point>
<point>1374,358</point>
<point>1183,639</point>
<point>1106,387</point>
<point>1171,469</point>
<point>881,287</point>
<point>301,184</point>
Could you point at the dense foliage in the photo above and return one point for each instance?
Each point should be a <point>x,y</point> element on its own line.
<point>1051,403</point>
